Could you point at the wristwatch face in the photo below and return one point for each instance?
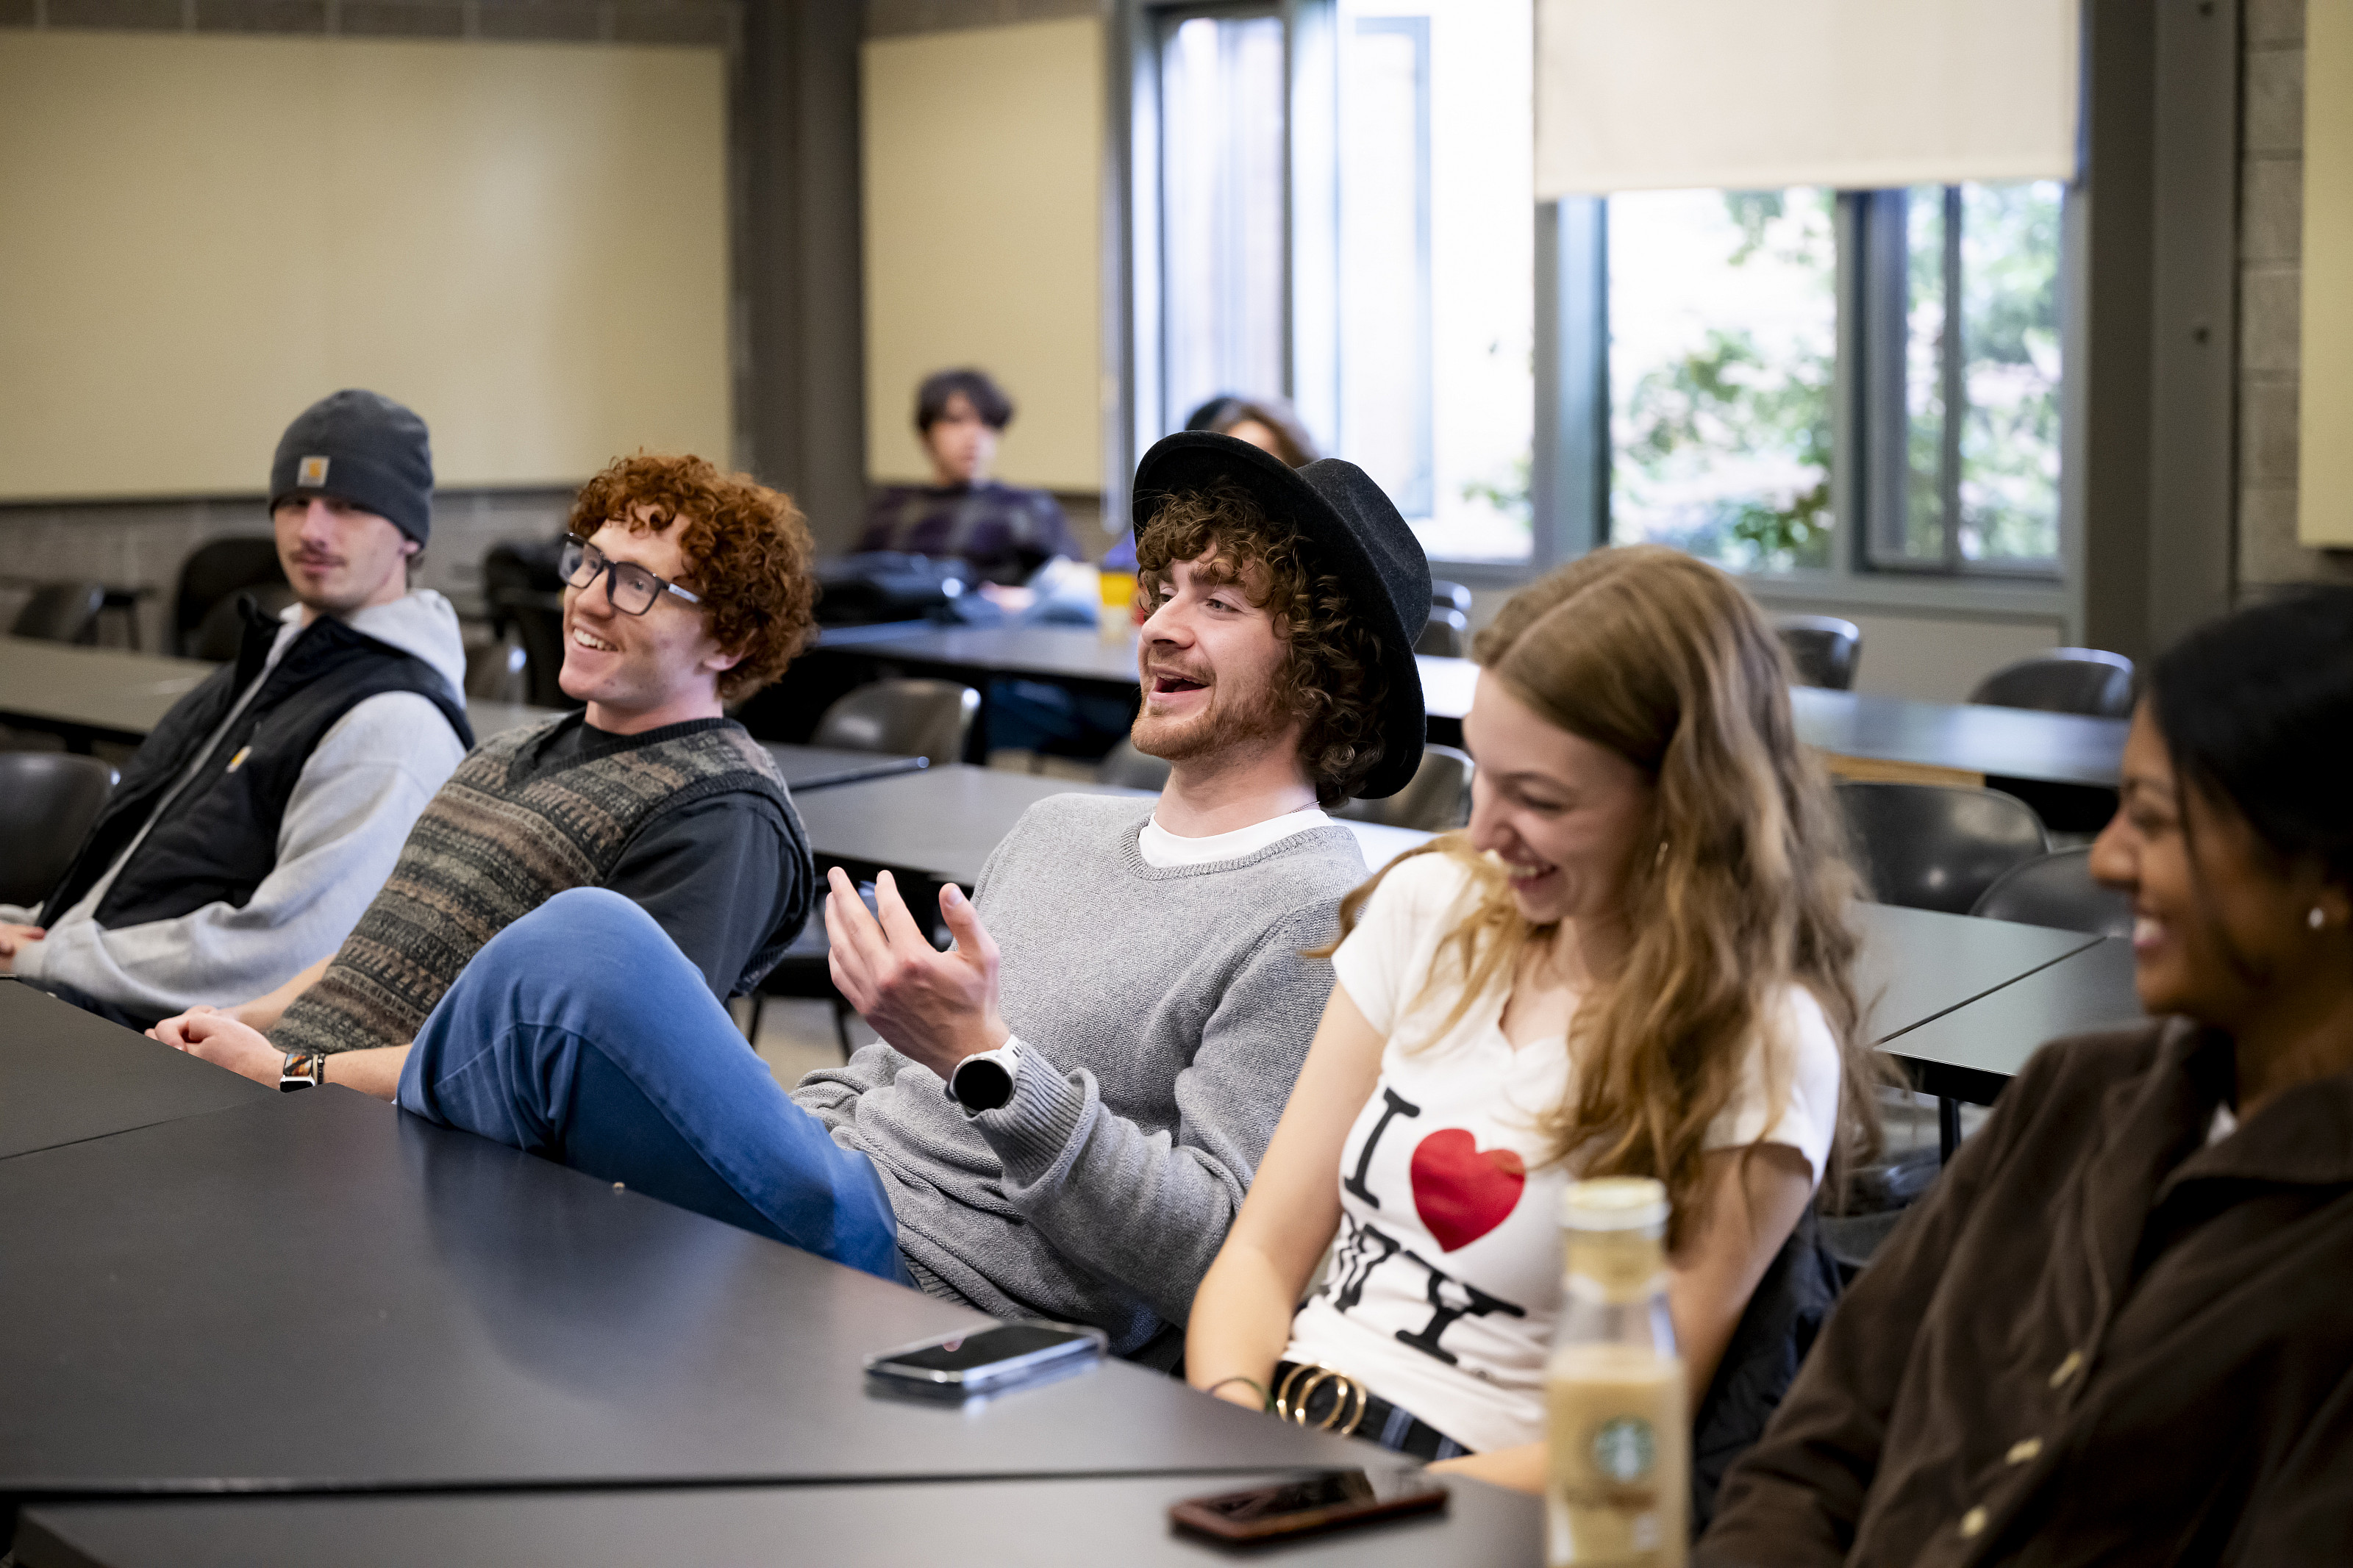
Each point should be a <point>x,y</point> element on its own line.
<point>981,1084</point>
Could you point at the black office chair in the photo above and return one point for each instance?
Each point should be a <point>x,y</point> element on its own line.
<point>2086,680</point>
<point>1435,800</point>
<point>930,719</point>
<point>47,801</point>
<point>1933,846</point>
<point>1823,649</point>
<point>213,575</point>
<point>2057,890</point>
<point>222,631</point>
<point>1446,635</point>
<point>1445,596</point>
<point>524,590</point>
<point>61,612</point>
<point>1128,768</point>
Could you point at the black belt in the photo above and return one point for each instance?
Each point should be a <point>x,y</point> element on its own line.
<point>1310,1395</point>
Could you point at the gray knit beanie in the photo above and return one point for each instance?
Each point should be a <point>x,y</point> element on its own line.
<point>363,448</point>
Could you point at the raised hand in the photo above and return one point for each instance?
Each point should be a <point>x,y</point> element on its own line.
<point>937,1007</point>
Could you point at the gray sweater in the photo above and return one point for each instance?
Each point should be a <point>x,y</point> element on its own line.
<point>1163,1015</point>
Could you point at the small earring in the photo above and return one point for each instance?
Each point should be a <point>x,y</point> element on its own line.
<point>2317,917</point>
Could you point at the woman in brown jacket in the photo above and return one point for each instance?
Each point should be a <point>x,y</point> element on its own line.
<point>2117,1330</point>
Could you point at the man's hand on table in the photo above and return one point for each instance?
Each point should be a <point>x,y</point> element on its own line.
<point>937,1007</point>
<point>220,1038</point>
<point>13,937</point>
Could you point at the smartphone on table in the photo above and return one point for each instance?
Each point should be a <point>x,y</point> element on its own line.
<point>1331,1500</point>
<point>972,1361</point>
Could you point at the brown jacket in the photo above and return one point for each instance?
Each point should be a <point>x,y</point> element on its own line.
<point>2097,1340</point>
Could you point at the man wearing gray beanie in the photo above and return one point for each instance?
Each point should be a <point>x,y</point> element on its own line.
<point>262,813</point>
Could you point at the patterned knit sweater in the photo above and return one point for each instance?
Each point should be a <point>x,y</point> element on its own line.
<point>501,837</point>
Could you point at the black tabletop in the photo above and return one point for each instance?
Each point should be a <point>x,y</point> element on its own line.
<point>66,1075</point>
<point>320,1292</point>
<point>1970,1052</point>
<point>2000,742</point>
<point>1083,1523</point>
<point>822,767</point>
<point>944,822</point>
<point>116,695</point>
<point>1919,964</point>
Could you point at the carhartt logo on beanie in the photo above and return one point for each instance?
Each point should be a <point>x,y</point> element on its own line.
<point>363,448</point>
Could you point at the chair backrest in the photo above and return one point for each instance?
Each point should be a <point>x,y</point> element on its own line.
<point>222,631</point>
<point>61,612</point>
<point>1934,847</point>
<point>2057,890</point>
<point>1446,635</point>
<point>1445,596</point>
<point>1823,648</point>
<point>1437,798</point>
<point>2088,681</point>
<point>1128,768</point>
<point>47,801</point>
<point>215,571</point>
<point>930,719</point>
<point>538,620</point>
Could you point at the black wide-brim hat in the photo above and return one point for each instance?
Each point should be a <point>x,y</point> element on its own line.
<point>1357,535</point>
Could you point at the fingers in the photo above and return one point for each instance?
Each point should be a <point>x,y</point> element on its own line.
<point>852,940</point>
<point>173,1032</point>
<point>972,939</point>
<point>898,925</point>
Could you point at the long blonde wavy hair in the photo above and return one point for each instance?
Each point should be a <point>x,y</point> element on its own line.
<point>1663,660</point>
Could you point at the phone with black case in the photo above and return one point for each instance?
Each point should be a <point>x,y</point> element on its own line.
<point>1333,1501</point>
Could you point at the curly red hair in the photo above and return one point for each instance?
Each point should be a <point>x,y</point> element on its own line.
<point>747,550</point>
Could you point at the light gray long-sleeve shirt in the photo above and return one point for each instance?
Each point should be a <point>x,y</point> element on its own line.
<point>1163,1015</point>
<point>352,806</point>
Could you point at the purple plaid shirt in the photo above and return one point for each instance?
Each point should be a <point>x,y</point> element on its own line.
<point>1005,534</point>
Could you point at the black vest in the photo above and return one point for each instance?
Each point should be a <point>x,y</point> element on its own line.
<point>217,838</point>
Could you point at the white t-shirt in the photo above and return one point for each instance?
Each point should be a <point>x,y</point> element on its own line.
<point>1162,848</point>
<point>1442,1292</point>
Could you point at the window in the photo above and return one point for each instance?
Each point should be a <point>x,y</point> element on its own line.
<point>1331,205</point>
<point>1222,100</point>
<point>1404,328</point>
<point>1723,311</point>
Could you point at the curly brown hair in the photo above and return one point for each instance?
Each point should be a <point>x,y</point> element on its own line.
<point>1332,676</point>
<point>747,550</point>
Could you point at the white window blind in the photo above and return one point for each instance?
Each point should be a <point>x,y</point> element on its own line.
<point>1761,94</point>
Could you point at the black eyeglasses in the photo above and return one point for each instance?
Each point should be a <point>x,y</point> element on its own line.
<point>632,589</point>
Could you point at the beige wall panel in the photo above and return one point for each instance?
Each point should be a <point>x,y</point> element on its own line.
<point>200,235</point>
<point>984,164</point>
<point>2325,416</point>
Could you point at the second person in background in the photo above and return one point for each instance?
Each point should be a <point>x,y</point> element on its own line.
<point>1634,962</point>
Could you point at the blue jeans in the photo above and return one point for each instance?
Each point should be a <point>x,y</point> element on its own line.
<point>581,1034</point>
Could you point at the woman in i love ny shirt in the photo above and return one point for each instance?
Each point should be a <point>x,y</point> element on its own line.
<point>1634,962</point>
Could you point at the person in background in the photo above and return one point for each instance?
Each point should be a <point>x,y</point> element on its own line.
<point>687,588</point>
<point>1063,1112</point>
<point>2115,1329</point>
<point>1004,533</point>
<point>260,815</point>
<point>1270,424</point>
<point>1635,961</point>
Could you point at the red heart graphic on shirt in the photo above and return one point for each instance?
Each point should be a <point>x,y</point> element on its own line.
<point>1461,1191</point>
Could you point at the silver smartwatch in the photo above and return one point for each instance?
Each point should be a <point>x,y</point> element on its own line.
<point>303,1070</point>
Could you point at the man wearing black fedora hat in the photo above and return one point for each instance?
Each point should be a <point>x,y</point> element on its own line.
<point>1064,1109</point>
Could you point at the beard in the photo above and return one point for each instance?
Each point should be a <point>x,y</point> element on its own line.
<point>1257,717</point>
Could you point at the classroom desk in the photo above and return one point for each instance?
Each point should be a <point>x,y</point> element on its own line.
<point>90,694</point>
<point>1970,1052</point>
<point>2064,766</point>
<point>66,1075</point>
<point>1919,964</point>
<point>319,1292</point>
<point>1074,1523</point>
<point>942,823</point>
<point>809,768</point>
